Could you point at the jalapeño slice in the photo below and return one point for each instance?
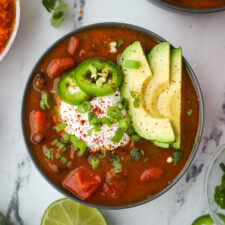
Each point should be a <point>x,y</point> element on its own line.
<point>98,77</point>
<point>69,91</point>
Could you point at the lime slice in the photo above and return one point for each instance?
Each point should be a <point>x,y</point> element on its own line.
<point>68,212</point>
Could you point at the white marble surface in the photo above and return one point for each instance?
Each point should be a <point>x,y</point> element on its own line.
<point>24,194</point>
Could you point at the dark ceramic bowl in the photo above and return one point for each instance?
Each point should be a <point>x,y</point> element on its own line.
<point>198,137</point>
<point>181,9</point>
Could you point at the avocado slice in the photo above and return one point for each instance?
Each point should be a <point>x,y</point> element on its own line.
<point>159,61</point>
<point>169,103</point>
<point>161,144</point>
<point>144,124</point>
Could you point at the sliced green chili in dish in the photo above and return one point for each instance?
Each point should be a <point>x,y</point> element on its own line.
<point>118,135</point>
<point>46,100</point>
<point>60,126</point>
<point>89,77</point>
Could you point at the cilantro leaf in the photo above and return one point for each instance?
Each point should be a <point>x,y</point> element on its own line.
<point>58,14</point>
<point>49,4</point>
<point>135,154</point>
<point>177,156</point>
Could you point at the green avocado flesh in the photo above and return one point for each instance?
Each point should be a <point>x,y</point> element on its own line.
<point>147,126</point>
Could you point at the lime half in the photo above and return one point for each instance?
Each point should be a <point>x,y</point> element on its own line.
<point>68,212</point>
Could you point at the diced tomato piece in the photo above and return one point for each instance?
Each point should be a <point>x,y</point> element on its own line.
<point>115,185</point>
<point>83,182</point>
<point>37,122</point>
<point>151,174</point>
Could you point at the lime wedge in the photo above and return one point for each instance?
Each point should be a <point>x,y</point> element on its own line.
<point>68,212</point>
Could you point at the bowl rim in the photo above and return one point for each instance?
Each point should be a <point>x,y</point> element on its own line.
<point>198,136</point>
<point>215,218</point>
<point>14,33</point>
<point>181,9</point>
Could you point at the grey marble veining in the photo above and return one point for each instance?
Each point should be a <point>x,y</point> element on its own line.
<point>24,194</point>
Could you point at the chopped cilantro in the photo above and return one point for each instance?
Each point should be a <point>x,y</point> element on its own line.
<point>116,163</point>
<point>135,154</point>
<point>189,112</point>
<point>120,42</point>
<point>49,4</point>
<point>49,154</point>
<point>177,156</point>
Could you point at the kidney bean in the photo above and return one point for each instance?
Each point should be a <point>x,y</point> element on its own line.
<point>73,45</point>
<point>152,173</point>
<point>39,81</point>
<point>59,65</point>
<point>37,122</point>
<point>38,138</point>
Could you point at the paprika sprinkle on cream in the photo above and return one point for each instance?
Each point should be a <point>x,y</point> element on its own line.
<point>7,20</point>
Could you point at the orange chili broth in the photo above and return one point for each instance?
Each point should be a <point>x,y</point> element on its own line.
<point>7,21</point>
<point>93,44</point>
<point>198,4</point>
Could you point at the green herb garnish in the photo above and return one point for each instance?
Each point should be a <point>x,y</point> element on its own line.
<point>58,9</point>
<point>60,126</point>
<point>124,103</point>
<point>177,156</point>
<point>124,123</point>
<point>49,154</point>
<point>95,162</point>
<point>84,107</point>
<point>136,138</point>
<point>189,112</point>
<point>46,101</point>
<point>82,146</point>
<point>130,131</point>
<point>120,42</point>
<point>58,144</point>
<point>135,154</point>
<point>114,112</point>
<point>116,163</point>
<point>188,101</point>
<point>222,166</point>
<point>142,152</point>
<point>118,135</point>
<point>136,97</point>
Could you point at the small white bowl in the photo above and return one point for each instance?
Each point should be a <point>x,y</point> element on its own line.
<point>13,35</point>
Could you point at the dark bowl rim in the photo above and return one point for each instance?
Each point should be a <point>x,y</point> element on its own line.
<point>181,9</point>
<point>198,136</point>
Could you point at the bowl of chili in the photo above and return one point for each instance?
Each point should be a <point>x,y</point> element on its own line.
<point>97,53</point>
<point>192,6</point>
<point>9,24</point>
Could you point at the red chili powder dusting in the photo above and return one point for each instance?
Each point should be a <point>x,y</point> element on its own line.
<point>7,20</point>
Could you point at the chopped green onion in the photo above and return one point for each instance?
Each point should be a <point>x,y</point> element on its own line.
<point>73,139</point>
<point>188,101</point>
<point>49,154</point>
<point>177,156</point>
<point>66,137</point>
<point>82,146</point>
<point>102,153</point>
<point>124,123</point>
<point>64,160</point>
<point>222,166</point>
<point>132,64</point>
<point>130,131</point>
<point>46,101</point>
<point>58,144</point>
<point>120,42</point>
<point>107,121</point>
<point>142,152</point>
<point>136,97</point>
<point>136,137</point>
<point>189,112</point>
<point>97,127</point>
<point>90,131</point>
<point>95,162</point>
<point>116,163</point>
<point>60,126</point>
<point>84,107</point>
<point>114,112</point>
<point>125,103</point>
<point>135,154</point>
<point>118,135</point>
<point>90,116</point>
<point>146,160</point>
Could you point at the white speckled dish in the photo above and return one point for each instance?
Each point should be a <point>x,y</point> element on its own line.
<point>16,26</point>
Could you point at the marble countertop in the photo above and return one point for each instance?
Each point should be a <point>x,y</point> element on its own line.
<point>24,194</point>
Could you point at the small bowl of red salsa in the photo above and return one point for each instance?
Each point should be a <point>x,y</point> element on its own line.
<point>106,115</point>
<point>193,6</point>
